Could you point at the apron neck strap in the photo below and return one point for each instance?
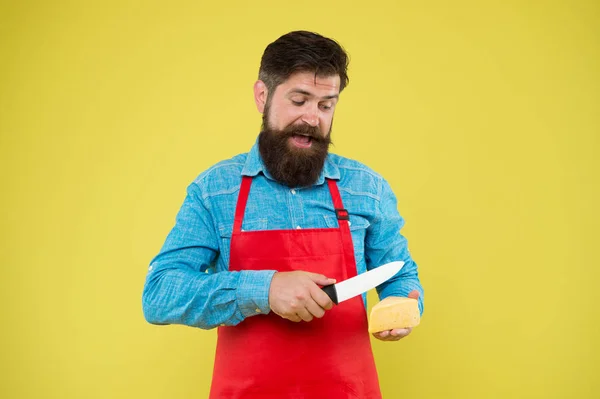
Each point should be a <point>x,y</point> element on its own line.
<point>335,194</point>
<point>340,212</point>
<point>241,203</point>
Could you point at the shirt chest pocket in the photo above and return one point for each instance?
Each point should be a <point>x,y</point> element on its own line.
<point>358,228</point>
<point>225,231</point>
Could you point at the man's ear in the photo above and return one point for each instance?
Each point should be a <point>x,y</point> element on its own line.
<point>260,95</point>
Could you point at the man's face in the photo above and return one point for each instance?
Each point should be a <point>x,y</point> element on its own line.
<point>304,100</point>
<point>297,122</point>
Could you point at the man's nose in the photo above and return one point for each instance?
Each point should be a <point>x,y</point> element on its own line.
<point>311,117</point>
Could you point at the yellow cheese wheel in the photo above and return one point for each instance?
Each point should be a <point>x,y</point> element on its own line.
<point>394,312</point>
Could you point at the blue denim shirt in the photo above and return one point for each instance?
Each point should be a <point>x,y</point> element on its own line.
<point>189,283</point>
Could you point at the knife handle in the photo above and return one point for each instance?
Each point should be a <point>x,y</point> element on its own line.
<point>330,290</point>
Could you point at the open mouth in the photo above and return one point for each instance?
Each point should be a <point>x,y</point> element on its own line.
<point>301,141</point>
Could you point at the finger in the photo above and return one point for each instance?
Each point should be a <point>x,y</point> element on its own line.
<point>304,314</point>
<point>314,308</point>
<point>392,335</point>
<point>292,317</point>
<point>383,334</point>
<point>321,279</point>
<point>400,332</point>
<point>414,294</point>
<point>321,298</point>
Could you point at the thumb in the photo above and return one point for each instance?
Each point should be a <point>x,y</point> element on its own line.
<point>321,279</point>
<point>414,294</point>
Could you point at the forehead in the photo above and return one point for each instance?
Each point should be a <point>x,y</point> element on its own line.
<point>307,81</point>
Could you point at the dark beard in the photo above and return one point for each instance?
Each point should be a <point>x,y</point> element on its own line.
<point>294,167</point>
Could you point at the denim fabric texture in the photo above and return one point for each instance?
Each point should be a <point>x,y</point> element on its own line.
<point>189,283</point>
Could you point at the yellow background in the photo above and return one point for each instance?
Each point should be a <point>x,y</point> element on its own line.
<point>484,117</point>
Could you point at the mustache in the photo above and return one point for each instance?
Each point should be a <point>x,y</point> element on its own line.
<point>305,130</point>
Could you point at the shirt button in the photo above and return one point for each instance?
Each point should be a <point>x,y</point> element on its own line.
<point>349,223</point>
<point>150,268</point>
<point>257,310</point>
<point>298,227</point>
<point>293,191</point>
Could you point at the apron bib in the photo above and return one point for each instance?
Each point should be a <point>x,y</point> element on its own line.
<point>268,357</point>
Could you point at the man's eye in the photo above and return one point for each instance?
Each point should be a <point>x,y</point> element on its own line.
<point>298,103</point>
<point>325,107</point>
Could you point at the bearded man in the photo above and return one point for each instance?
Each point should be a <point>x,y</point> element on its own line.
<point>260,234</point>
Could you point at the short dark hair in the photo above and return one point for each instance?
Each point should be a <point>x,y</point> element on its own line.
<point>302,51</point>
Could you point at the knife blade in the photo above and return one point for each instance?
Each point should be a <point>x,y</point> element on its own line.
<point>339,292</point>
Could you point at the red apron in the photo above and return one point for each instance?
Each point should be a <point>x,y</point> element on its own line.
<point>266,356</point>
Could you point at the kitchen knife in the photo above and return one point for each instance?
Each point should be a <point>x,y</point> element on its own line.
<point>356,285</point>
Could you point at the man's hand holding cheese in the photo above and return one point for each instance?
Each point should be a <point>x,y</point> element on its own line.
<point>397,333</point>
<point>259,234</point>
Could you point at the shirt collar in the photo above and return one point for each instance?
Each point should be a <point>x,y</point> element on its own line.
<point>254,165</point>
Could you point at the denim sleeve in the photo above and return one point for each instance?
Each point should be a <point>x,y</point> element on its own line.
<point>179,288</point>
<point>384,244</point>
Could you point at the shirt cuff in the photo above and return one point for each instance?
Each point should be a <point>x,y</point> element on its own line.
<point>253,291</point>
